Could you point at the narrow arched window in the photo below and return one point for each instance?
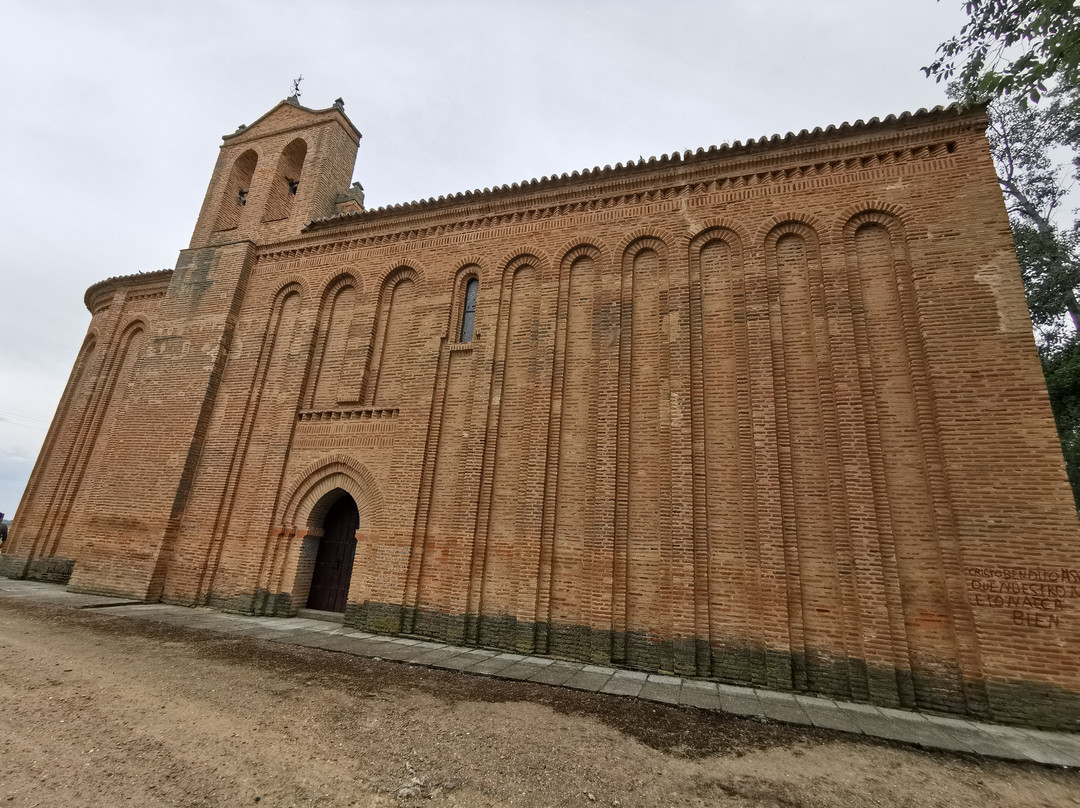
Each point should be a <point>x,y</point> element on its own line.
<point>468,317</point>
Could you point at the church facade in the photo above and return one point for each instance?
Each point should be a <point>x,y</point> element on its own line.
<point>769,413</point>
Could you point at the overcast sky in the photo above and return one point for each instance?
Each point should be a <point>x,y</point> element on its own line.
<point>115,110</point>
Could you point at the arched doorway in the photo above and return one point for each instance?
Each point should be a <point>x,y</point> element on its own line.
<point>334,560</point>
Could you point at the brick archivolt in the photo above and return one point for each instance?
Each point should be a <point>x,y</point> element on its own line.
<point>96,399</point>
<point>575,249</point>
<point>399,273</point>
<point>715,233</point>
<point>293,285</point>
<point>339,282</point>
<point>308,497</point>
<point>518,259</point>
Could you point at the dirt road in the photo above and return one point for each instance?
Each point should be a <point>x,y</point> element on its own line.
<point>97,710</point>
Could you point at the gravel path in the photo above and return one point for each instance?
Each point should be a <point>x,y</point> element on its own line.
<point>101,710</point>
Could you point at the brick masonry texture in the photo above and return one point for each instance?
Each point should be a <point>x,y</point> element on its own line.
<point>769,414</point>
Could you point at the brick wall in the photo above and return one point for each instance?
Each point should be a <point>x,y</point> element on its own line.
<point>770,414</point>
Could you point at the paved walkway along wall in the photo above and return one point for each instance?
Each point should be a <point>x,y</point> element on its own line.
<point>904,726</point>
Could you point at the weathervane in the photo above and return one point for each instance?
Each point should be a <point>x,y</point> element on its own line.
<point>296,85</point>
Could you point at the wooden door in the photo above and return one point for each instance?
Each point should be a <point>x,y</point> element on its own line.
<point>334,561</point>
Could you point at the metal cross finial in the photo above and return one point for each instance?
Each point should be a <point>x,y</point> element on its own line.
<point>296,85</point>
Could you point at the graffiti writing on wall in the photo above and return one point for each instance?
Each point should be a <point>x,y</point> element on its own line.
<point>1036,597</point>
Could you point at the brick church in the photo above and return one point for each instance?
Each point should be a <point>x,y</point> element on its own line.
<point>769,413</point>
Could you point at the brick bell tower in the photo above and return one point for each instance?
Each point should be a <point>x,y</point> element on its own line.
<point>272,177</point>
<point>277,174</point>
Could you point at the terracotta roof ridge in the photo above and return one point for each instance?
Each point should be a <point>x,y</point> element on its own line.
<point>725,149</point>
<point>135,277</point>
